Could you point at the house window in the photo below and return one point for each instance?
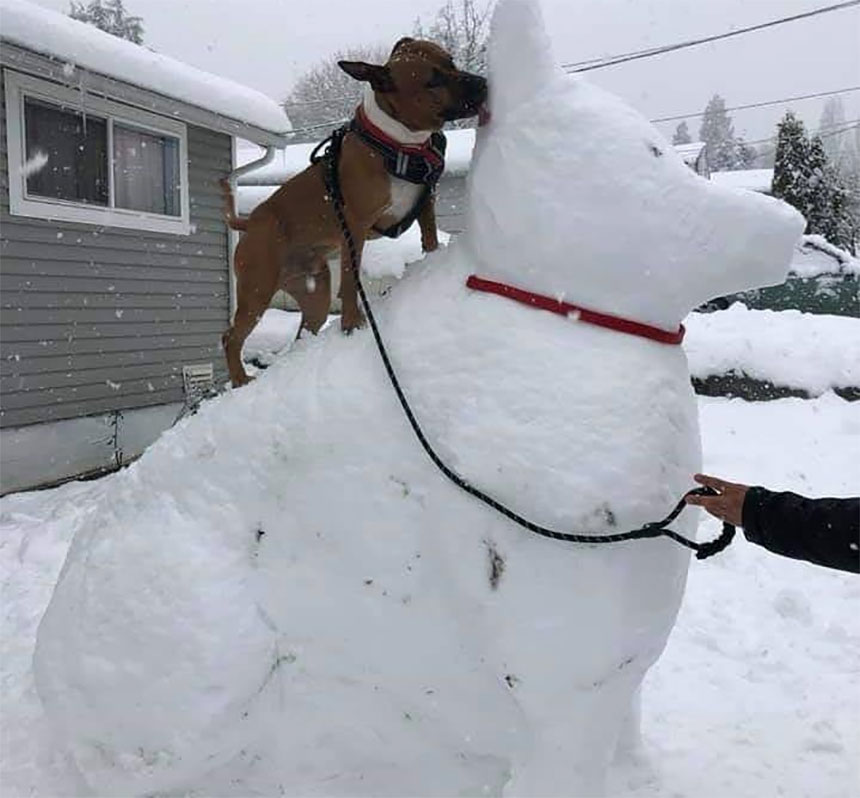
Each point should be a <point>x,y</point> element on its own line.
<point>145,171</point>
<point>79,158</point>
<point>67,153</point>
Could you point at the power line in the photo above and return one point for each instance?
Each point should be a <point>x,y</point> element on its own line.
<point>330,123</point>
<point>763,104</point>
<point>601,63</point>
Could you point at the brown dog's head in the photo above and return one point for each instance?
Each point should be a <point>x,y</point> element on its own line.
<point>420,86</point>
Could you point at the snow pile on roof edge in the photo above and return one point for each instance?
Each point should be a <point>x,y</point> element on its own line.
<point>748,179</point>
<point>61,37</point>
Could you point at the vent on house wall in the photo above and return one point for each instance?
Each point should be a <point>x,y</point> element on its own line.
<point>198,381</point>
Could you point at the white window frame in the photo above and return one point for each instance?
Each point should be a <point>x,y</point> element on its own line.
<point>18,86</point>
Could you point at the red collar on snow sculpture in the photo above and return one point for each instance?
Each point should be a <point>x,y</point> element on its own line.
<point>580,314</point>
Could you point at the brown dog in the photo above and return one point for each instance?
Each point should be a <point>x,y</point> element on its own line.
<point>288,238</point>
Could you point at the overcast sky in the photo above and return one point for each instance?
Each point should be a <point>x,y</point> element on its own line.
<point>268,43</point>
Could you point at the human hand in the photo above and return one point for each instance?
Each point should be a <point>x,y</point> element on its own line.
<point>727,505</point>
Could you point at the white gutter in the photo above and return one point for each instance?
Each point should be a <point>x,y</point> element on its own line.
<point>233,235</point>
<point>267,158</point>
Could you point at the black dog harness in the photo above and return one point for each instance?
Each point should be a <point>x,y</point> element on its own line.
<point>421,164</point>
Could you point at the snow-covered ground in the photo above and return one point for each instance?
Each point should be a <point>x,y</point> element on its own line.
<point>758,691</point>
<point>757,694</point>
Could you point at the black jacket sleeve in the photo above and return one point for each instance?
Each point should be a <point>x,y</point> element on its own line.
<point>822,531</point>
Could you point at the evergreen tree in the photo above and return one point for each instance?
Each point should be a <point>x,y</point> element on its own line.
<point>844,228</point>
<point>718,134</point>
<point>831,208</point>
<point>682,134</point>
<point>790,169</point>
<point>852,181</point>
<point>805,178</point>
<point>819,218</point>
<point>109,16</point>
<point>842,145</point>
<point>746,155</point>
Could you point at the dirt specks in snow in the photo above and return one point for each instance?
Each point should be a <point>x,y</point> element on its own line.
<point>496,563</point>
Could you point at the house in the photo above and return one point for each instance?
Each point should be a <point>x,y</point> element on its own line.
<point>695,155</point>
<point>114,256</point>
<point>759,180</point>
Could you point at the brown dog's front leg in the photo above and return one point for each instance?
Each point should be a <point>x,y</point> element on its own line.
<point>351,316</point>
<point>427,223</point>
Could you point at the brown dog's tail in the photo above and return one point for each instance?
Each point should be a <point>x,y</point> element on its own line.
<point>234,221</point>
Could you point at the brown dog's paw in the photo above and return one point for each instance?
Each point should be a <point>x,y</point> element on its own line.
<point>429,244</point>
<point>244,379</point>
<point>352,321</point>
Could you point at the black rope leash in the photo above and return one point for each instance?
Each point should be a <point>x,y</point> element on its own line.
<point>655,529</point>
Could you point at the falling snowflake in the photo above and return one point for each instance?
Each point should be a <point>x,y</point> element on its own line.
<point>35,164</point>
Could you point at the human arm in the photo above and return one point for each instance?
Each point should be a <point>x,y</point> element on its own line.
<point>822,531</point>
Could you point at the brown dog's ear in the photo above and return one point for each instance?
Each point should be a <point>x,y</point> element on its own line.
<point>400,42</point>
<point>378,77</point>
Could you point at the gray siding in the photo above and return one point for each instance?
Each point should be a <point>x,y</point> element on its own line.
<point>97,319</point>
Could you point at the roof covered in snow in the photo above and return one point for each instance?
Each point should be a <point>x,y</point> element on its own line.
<point>81,45</point>
<point>690,152</point>
<point>751,179</point>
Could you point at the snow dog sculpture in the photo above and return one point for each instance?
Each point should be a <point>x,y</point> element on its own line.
<point>284,593</point>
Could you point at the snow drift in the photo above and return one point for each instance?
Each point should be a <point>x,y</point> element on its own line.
<point>285,580</point>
